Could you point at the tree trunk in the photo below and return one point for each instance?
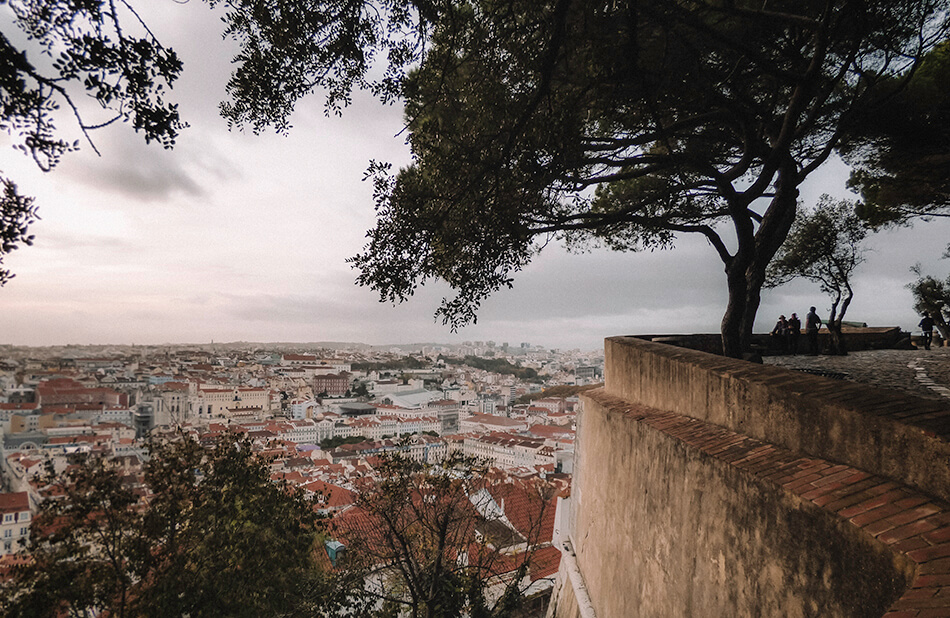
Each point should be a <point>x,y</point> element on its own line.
<point>942,327</point>
<point>733,319</point>
<point>838,345</point>
<point>744,278</point>
<point>837,339</point>
<point>745,272</point>
<point>755,279</point>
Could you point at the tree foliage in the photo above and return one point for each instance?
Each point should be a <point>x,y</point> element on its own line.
<point>622,123</point>
<point>900,150</point>
<point>54,56</point>
<point>337,441</point>
<point>824,246</point>
<point>392,364</point>
<point>209,534</point>
<point>17,213</point>
<point>82,48</point>
<point>495,365</point>
<point>430,541</point>
<point>932,296</point>
<point>82,548</point>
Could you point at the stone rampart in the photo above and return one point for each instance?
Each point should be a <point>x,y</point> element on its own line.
<point>706,486</point>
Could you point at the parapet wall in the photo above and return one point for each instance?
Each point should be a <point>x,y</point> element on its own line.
<point>706,486</point>
<point>856,338</point>
<point>882,431</point>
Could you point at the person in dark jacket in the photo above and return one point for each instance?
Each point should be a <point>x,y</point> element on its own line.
<point>812,324</point>
<point>927,327</point>
<point>780,334</point>
<point>794,332</point>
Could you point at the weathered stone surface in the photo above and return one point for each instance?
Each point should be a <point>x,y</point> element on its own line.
<point>871,428</point>
<point>710,487</point>
<point>664,529</point>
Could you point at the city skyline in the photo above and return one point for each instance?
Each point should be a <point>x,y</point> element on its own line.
<point>233,237</point>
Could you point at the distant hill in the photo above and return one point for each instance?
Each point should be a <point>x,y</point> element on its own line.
<point>495,365</point>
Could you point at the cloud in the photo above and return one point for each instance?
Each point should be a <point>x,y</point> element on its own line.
<point>129,168</point>
<point>290,309</point>
<point>605,283</point>
<point>59,241</point>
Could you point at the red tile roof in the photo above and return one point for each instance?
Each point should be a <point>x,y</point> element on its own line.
<point>331,496</point>
<point>19,406</point>
<point>545,563</point>
<point>14,502</point>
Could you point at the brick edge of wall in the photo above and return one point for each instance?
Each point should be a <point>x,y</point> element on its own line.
<point>904,520</point>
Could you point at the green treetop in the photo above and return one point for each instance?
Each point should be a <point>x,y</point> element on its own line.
<point>824,247</point>
<point>899,150</point>
<point>213,536</point>
<point>932,296</point>
<point>74,51</point>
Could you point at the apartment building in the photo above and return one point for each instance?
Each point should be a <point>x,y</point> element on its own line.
<point>15,517</point>
<point>223,401</point>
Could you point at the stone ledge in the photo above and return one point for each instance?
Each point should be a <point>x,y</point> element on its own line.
<point>905,521</point>
<point>887,433</point>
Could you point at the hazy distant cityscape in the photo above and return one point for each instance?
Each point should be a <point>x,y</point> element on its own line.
<point>321,412</point>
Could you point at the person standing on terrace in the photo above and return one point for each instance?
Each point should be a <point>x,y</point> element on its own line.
<point>812,324</point>
<point>794,332</point>
<point>927,327</point>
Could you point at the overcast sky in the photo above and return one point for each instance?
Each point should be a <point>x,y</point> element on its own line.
<point>232,236</point>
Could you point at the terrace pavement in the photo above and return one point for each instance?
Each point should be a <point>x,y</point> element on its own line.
<point>925,373</point>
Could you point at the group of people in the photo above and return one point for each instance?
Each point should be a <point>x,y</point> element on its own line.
<point>787,332</point>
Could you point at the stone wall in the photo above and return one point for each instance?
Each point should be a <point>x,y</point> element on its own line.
<point>856,338</point>
<point>706,486</point>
